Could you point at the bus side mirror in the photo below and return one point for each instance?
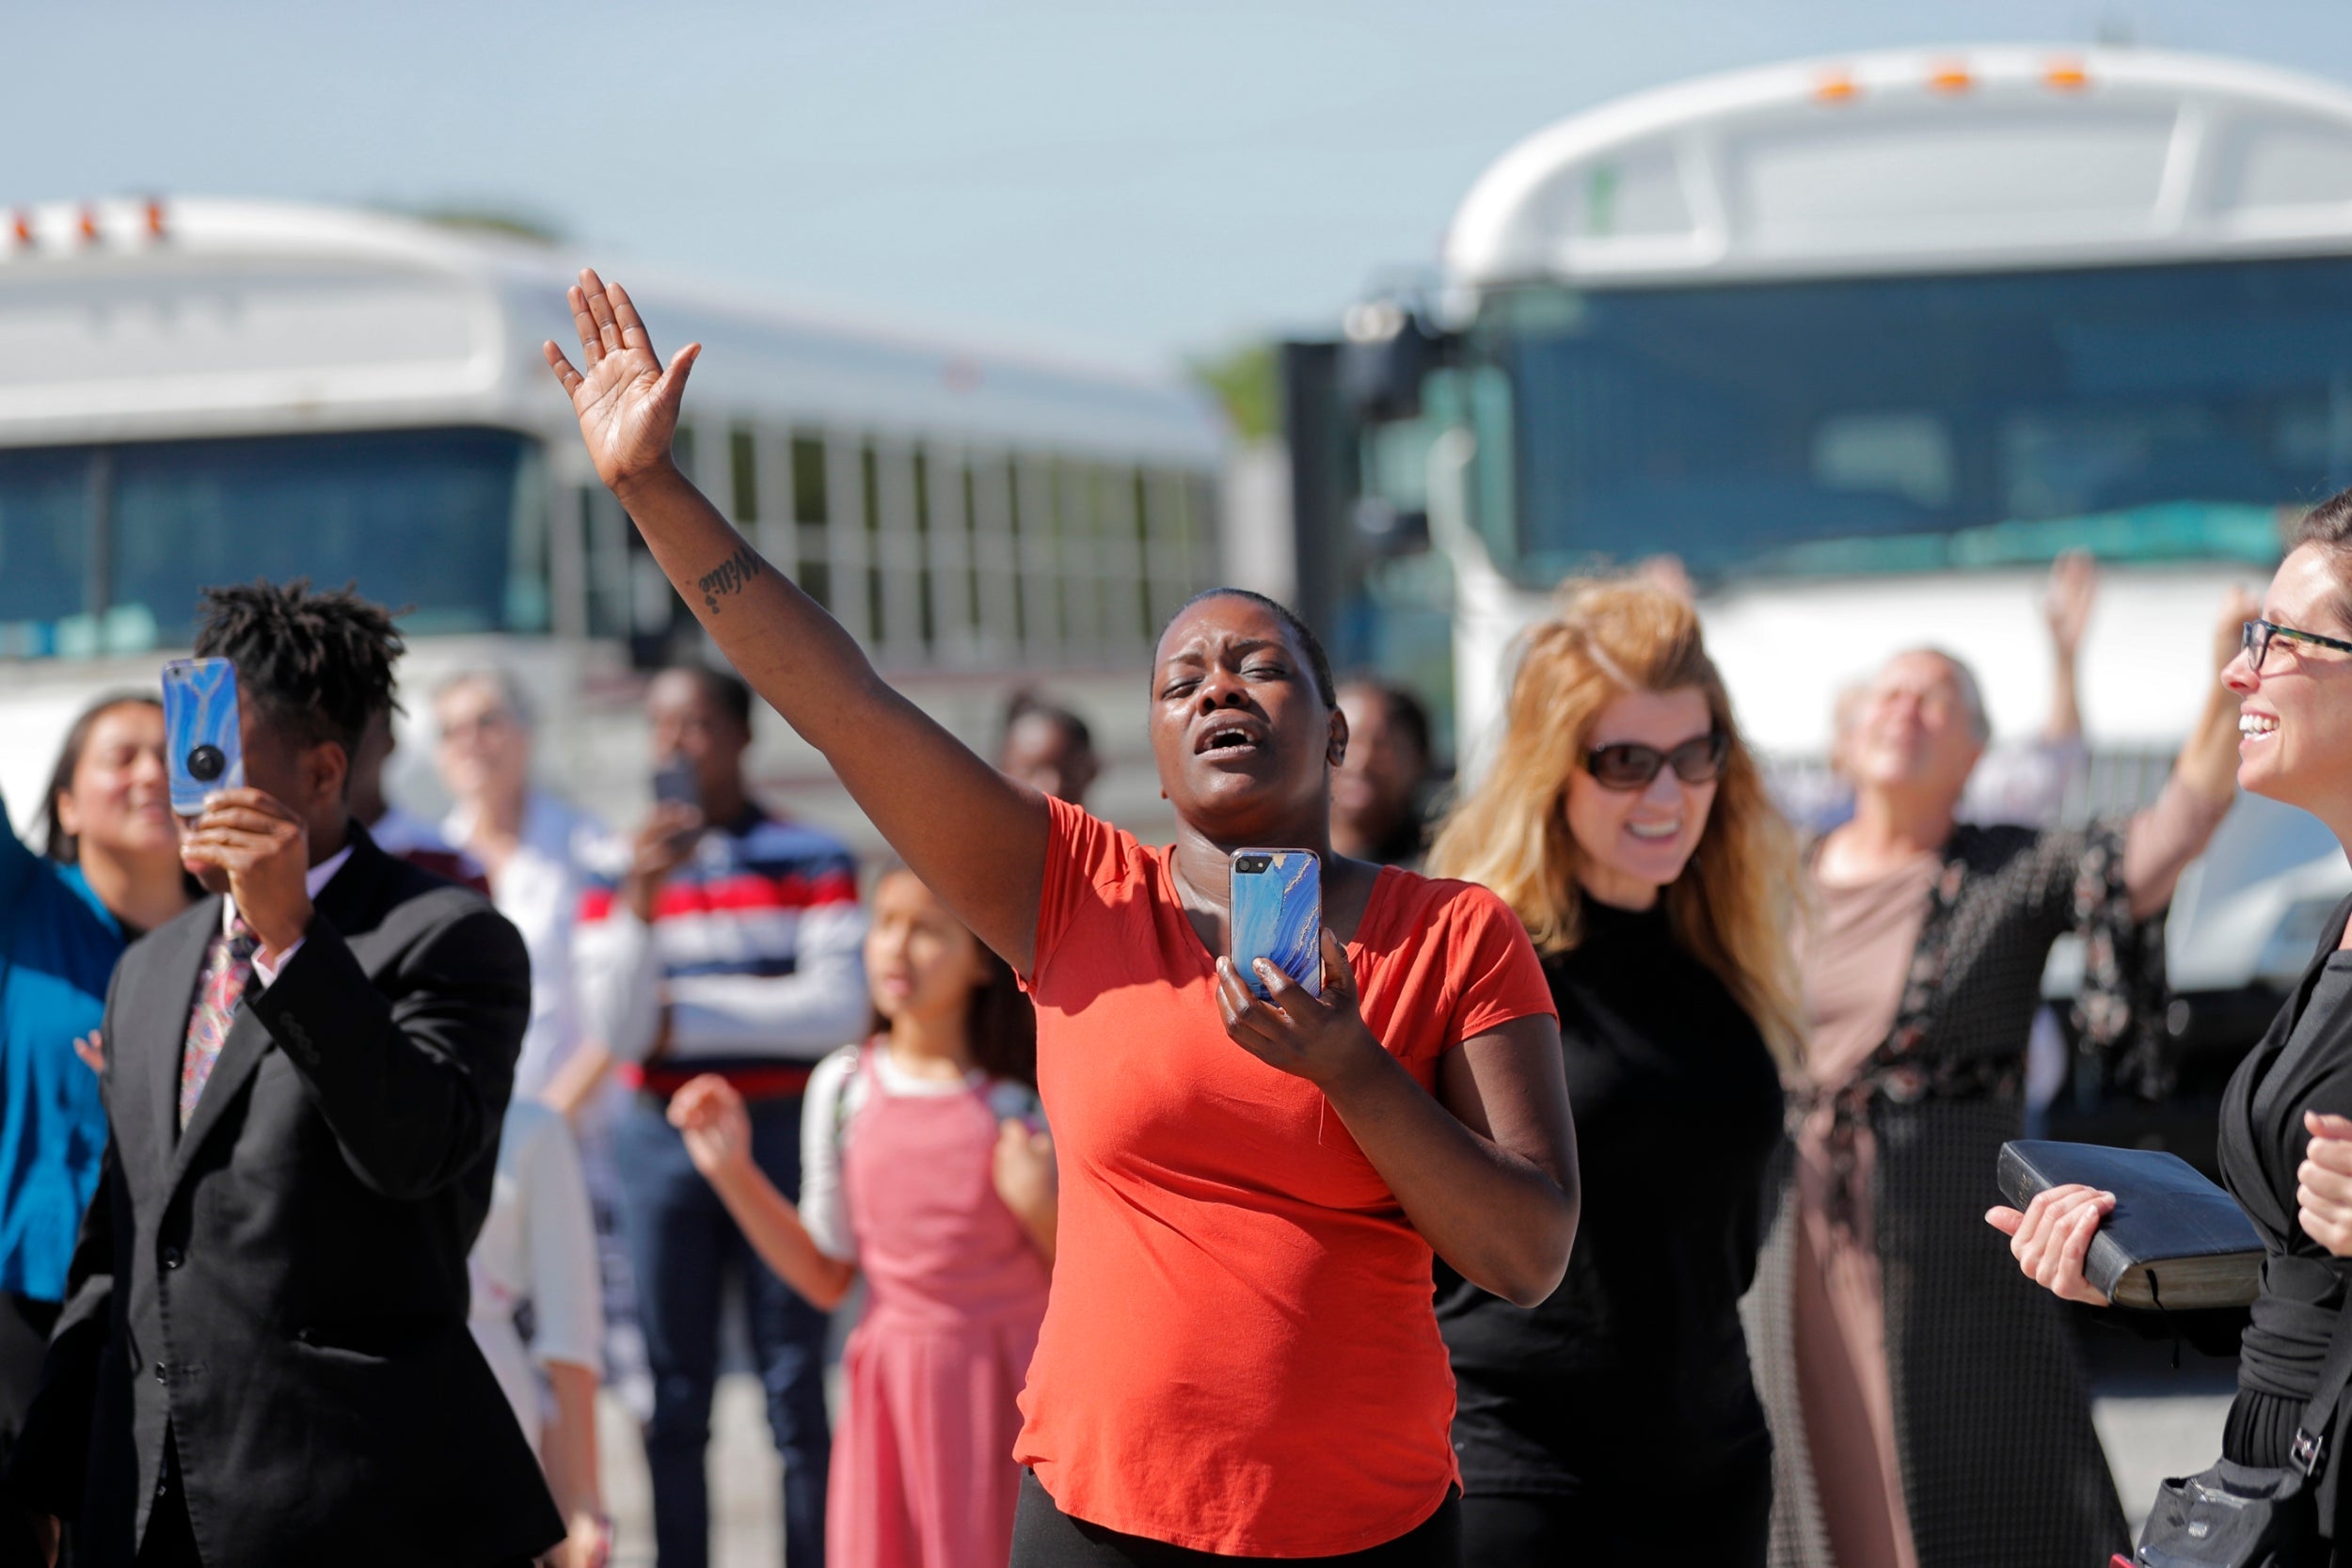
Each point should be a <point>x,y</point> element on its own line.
<point>1382,360</point>
<point>1385,530</point>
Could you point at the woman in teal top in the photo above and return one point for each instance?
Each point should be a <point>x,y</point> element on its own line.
<point>112,871</point>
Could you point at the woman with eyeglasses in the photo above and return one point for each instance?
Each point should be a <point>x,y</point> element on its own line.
<point>1927,1407</point>
<point>1626,825</point>
<point>2285,1141</point>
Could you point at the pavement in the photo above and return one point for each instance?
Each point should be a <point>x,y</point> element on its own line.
<point>2154,1420</point>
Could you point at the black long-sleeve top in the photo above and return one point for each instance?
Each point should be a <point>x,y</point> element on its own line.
<point>1636,1369</point>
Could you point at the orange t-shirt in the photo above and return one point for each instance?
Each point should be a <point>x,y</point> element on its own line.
<point>1240,1353</point>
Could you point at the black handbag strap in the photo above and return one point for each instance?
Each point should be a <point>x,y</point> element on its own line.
<point>2311,1438</point>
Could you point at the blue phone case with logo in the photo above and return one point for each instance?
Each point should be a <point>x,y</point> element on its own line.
<point>1278,915</point>
<point>203,748</point>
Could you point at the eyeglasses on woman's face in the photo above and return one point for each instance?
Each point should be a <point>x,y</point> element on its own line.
<point>2258,636</point>
<point>1630,765</point>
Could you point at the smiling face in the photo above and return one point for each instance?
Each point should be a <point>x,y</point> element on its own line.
<point>119,800</point>
<point>1633,841</point>
<point>2295,714</point>
<point>921,961</point>
<point>1243,739</point>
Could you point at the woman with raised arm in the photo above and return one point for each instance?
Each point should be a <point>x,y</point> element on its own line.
<point>1240,1356</point>
<point>111,872</point>
<point>1879,1312</point>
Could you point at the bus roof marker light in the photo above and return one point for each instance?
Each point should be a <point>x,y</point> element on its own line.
<point>1950,78</point>
<point>20,225</point>
<point>88,224</point>
<point>1835,87</point>
<point>2065,75</point>
<point>155,228</point>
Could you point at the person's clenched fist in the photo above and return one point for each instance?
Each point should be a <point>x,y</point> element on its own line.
<point>2323,1184</point>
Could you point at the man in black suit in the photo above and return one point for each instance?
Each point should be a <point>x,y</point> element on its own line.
<point>263,1356</point>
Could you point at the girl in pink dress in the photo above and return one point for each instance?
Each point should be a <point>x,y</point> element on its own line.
<point>925,1168</point>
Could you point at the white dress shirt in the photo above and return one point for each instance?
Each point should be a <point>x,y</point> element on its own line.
<point>314,881</point>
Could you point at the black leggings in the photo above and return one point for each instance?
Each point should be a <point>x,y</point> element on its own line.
<point>1045,1537</point>
<point>1722,1523</point>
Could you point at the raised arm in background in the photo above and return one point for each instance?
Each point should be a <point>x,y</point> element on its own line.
<point>964,828</point>
<point>2175,830</point>
<point>2066,606</point>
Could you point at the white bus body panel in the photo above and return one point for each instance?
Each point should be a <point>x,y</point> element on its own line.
<point>1913,162</point>
<point>244,318</point>
<point>257,318</point>
<point>1920,161</point>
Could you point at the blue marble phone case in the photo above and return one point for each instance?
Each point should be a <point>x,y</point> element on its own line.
<point>1278,915</point>
<point>203,748</point>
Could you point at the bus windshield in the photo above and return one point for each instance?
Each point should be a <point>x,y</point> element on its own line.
<point>434,520</point>
<point>1923,423</point>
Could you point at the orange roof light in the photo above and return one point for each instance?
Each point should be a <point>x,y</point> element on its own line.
<point>1835,87</point>
<point>21,224</point>
<point>1950,78</point>
<point>2066,75</point>
<point>155,218</point>
<point>90,224</point>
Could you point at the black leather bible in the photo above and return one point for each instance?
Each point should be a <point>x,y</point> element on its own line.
<point>2174,1242</point>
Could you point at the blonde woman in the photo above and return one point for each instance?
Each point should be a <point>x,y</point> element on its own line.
<point>1626,825</point>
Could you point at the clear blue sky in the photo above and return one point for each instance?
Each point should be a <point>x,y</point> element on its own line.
<point>1139,181</point>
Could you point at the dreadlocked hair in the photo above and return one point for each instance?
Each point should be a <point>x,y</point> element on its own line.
<point>318,666</point>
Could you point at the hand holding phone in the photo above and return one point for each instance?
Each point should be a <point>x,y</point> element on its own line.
<point>673,783</point>
<point>1278,915</point>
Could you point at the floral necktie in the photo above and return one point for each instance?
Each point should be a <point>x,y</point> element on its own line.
<point>228,965</point>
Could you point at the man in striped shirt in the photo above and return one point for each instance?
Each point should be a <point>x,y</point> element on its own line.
<point>730,944</point>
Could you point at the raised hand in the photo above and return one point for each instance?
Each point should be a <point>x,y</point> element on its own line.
<point>2067,602</point>
<point>709,1115</point>
<point>628,403</point>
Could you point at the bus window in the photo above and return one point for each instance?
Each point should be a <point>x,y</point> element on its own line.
<point>1887,424</point>
<point>808,516</point>
<point>422,518</point>
<point>608,530</point>
<point>870,553</point>
<point>743,471</point>
<point>1907,454</point>
<point>927,609</point>
<point>46,499</point>
<point>995,557</point>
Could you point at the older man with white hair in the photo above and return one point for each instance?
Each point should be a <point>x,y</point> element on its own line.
<point>1924,1402</point>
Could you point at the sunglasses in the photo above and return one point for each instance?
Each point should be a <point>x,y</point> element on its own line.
<point>2257,638</point>
<point>1630,765</point>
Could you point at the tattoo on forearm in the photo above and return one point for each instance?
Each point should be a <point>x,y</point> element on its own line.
<point>729,577</point>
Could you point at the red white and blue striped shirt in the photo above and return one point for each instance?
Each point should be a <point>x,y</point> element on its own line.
<point>751,968</point>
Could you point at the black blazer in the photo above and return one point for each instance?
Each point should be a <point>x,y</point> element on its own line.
<point>283,1286</point>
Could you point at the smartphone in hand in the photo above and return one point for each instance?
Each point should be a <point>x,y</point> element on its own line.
<point>673,785</point>
<point>1278,915</point>
<point>203,746</point>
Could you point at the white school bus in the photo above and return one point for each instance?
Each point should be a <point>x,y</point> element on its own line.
<point>196,393</point>
<point>1866,342</point>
